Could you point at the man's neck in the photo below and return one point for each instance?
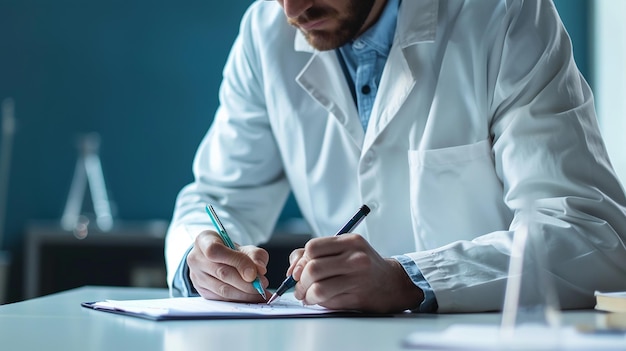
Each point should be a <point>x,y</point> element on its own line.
<point>377,9</point>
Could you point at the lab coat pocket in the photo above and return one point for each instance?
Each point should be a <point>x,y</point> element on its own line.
<point>455,194</point>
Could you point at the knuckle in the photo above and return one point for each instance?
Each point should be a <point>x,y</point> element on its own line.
<point>213,250</point>
<point>311,246</point>
<point>261,255</point>
<point>317,246</point>
<point>192,258</point>
<point>317,291</point>
<point>198,239</point>
<point>222,272</point>
<point>360,259</point>
<point>355,239</point>
<point>314,268</point>
<point>223,290</point>
<point>239,261</point>
<point>204,238</point>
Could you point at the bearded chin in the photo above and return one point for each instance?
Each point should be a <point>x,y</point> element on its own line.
<point>324,41</point>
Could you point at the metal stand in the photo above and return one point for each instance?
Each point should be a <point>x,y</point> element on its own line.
<point>88,173</point>
<point>8,130</point>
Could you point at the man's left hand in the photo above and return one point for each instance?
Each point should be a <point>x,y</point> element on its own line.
<point>345,272</point>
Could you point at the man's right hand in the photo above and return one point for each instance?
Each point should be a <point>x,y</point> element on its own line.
<point>220,273</point>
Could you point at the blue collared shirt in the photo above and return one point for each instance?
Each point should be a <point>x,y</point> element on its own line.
<point>363,59</point>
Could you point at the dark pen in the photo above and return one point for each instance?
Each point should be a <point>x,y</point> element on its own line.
<point>351,224</point>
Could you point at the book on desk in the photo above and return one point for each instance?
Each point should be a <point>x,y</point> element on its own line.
<point>611,301</point>
<point>615,304</point>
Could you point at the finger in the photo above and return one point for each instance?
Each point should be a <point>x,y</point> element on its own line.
<point>346,267</point>
<point>200,267</point>
<point>296,273</point>
<point>317,271</point>
<point>294,259</point>
<point>259,257</point>
<point>231,276</point>
<point>240,261</point>
<point>331,292</point>
<point>214,249</point>
<point>214,289</point>
<point>341,301</point>
<point>330,266</point>
<point>295,255</point>
<point>328,246</point>
<point>209,250</point>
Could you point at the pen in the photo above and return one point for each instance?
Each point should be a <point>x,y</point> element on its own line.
<point>221,231</point>
<point>290,282</point>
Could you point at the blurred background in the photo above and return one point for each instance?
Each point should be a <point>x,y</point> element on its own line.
<point>144,75</point>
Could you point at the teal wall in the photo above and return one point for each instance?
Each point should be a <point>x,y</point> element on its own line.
<point>144,74</point>
<point>577,18</point>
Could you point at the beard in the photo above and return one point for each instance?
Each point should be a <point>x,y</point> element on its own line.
<point>350,19</point>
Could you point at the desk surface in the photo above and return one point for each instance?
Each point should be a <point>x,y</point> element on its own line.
<point>58,322</point>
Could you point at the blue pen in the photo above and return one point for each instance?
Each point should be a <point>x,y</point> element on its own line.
<point>226,239</point>
<point>290,282</point>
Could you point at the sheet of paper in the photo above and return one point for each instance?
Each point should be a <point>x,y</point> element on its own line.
<point>525,337</point>
<point>288,305</point>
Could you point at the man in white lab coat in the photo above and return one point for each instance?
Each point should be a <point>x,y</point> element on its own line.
<point>456,122</point>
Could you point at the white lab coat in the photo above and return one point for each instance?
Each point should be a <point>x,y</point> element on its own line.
<point>481,114</point>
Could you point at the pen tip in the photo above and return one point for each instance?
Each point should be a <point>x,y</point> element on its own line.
<point>272,299</point>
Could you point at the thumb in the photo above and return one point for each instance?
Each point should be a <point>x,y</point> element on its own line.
<point>259,257</point>
<point>215,250</point>
<point>294,258</point>
<point>245,266</point>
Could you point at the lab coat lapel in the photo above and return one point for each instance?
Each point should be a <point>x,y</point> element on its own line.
<point>405,66</point>
<point>323,79</point>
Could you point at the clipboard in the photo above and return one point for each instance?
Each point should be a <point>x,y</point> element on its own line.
<point>193,308</point>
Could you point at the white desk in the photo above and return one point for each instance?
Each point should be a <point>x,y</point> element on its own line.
<point>58,322</point>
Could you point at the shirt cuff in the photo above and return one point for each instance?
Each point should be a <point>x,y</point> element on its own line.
<point>429,304</point>
<point>181,284</point>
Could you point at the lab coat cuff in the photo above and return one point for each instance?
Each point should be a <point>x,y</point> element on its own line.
<point>429,304</point>
<point>181,284</point>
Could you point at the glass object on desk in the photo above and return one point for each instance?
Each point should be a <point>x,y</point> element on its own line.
<point>87,174</point>
<point>531,302</point>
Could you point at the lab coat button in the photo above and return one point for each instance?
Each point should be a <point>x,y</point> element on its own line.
<point>368,160</point>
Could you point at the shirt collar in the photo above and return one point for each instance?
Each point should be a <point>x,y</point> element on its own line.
<point>380,35</point>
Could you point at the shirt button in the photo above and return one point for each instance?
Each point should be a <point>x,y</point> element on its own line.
<point>359,44</point>
<point>366,89</point>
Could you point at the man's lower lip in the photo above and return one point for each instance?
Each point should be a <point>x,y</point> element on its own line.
<point>312,25</point>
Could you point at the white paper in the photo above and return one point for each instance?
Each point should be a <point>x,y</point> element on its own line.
<point>525,337</point>
<point>287,305</point>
